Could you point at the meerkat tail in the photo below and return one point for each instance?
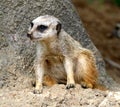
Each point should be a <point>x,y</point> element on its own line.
<point>100,87</point>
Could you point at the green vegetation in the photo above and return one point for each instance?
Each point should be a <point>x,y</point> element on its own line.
<point>91,1</point>
<point>116,2</point>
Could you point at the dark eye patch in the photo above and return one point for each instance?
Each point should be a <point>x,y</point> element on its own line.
<point>31,24</point>
<point>42,28</point>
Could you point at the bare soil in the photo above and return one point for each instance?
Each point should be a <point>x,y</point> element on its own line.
<point>99,21</point>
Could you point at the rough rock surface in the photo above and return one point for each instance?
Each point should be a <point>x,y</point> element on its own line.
<point>58,96</point>
<point>17,53</point>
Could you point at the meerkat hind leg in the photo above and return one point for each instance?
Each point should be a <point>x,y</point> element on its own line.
<point>86,71</point>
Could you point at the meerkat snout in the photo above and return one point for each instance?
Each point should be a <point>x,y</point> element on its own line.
<point>29,35</point>
<point>44,27</point>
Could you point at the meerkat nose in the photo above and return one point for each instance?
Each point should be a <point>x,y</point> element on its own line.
<point>28,35</point>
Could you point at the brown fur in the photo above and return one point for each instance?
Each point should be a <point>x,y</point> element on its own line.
<point>48,81</point>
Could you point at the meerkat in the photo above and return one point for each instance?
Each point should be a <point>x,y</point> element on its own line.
<point>116,31</point>
<point>60,58</point>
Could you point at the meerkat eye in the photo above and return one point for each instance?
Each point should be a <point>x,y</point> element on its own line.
<point>31,24</point>
<point>42,28</point>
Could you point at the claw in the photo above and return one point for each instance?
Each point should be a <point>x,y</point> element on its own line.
<point>68,86</point>
<point>86,85</point>
<point>37,91</point>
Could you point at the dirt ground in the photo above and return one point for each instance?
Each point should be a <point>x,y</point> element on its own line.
<point>99,21</point>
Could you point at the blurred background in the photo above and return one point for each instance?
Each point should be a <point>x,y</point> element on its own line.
<point>101,18</point>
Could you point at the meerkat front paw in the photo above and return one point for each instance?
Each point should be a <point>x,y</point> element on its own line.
<point>38,91</point>
<point>38,88</point>
<point>68,86</point>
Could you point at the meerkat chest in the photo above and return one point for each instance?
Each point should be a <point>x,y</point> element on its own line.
<point>55,67</point>
<point>54,48</point>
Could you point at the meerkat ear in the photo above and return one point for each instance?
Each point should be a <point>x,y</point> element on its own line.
<point>58,28</point>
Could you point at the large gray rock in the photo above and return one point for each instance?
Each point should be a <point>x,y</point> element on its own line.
<point>17,52</point>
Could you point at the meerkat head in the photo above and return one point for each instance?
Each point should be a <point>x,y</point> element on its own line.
<point>44,27</point>
<point>116,31</point>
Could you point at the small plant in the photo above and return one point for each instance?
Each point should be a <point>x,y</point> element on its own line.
<point>117,2</point>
